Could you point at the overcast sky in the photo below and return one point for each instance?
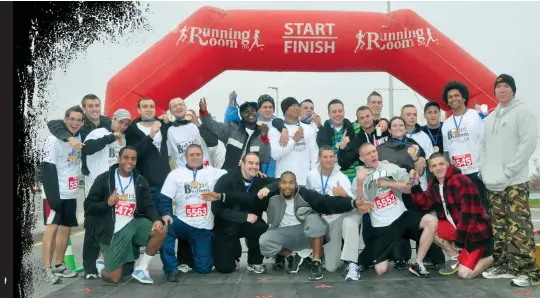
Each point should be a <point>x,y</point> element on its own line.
<point>502,35</point>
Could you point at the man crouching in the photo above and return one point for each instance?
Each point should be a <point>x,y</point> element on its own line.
<point>295,223</point>
<point>122,212</point>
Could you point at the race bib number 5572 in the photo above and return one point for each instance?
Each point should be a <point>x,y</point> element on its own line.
<point>386,199</point>
<point>196,211</point>
<point>464,160</point>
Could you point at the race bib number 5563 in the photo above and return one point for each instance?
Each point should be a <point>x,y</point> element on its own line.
<point>73,183</point>
<point>196,211</point>
<point>464,160</point>
<point>386,199</point>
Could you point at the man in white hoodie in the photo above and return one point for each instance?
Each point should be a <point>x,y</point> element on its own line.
<point>345,226</point>
<point>510,138</point>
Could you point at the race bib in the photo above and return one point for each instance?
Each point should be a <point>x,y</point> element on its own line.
<point>464,160</point>
<point>385,200</point>
<point>196,211</point>
<point>206,163</point>
<point>73,183</point>
<point>125,208</point>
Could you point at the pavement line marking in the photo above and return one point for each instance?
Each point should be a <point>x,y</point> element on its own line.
<point>74,234</point>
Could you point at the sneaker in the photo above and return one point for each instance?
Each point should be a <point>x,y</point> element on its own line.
<point>428,263</point>
<point>100,265</point>
<point>63,271</point>
<point>49,277</point>
<point>258,268</point>
<point>142,275</point>
<point>91,276</point>
<point>497,272</point>
<point>401,265</point>
<point>316,270</point>
<point>450,267</point>
<point>172,276</point>
<point>293,263</point>
<point>279,263</point>
<point>184,268</point>
<point>525,281</point>
<point>353,273</point>
<point>418,269</point>
<point>237,262</point>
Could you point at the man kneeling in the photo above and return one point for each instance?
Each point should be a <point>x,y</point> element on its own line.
<point>295,223</point>
<point>462,218</point>
<point>122,213</point>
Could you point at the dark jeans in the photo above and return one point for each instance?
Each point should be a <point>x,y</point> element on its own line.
<point>482,190</point>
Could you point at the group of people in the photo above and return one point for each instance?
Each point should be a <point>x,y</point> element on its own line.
<point>456,188</point>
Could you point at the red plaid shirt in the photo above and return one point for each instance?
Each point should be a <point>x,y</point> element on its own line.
<point>463,202</point>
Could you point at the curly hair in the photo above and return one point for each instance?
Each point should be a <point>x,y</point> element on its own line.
<point>458,86</point>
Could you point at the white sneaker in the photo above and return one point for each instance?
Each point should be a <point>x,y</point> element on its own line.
<point>497,272</point>
<point>353,272</point>
<point>184,268</point>
<point>100,265</point>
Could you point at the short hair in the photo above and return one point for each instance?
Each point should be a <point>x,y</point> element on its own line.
<point>374,93</point>
<point>335,101</point>
<point>431,104</point>
<point>287,173</point>
<point>250,153</point>
<point>193,146</point>
<point>394,119</point>
<point>307,100</point>
<point>363,108</point>
<point>75,109</point>
<point>436,155</point>
<point>128,147</point>
<point>325,148</point>
<point>458,86</point>
<point>144,98</point>
<point>407,106</point>
<point>89,97</point>
<point>364,145</point>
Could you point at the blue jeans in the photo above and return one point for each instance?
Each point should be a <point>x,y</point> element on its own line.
<point>201,245</point>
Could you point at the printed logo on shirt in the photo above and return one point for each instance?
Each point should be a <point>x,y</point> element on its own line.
<point>300,146</point>
<point>463,136</point>
<point>201,187</point>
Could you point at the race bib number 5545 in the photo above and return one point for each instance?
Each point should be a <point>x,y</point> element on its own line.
<point>464,160</point>
<point>386,199</point>
<point>196,211</point>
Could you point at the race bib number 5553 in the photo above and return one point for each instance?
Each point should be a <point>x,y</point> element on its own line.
<point>196,211</point>
<point>386,199</point>
<point>464,160</point>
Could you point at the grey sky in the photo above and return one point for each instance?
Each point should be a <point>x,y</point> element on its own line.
<point>502,35</point>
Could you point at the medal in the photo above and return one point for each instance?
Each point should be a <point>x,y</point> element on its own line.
<point>194,184</point>
<point>434,140</point>
<point>260,123</point>
<point>300,129</point>
<point>411,150</point>
<point>435,148</point>
<point>123,197</point>
<point>72,158</point>
<point>120,142</point>
<point>188,117</point>
<point>456,133</point>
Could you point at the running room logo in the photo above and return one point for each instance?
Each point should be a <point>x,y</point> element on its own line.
<point>208,37</point>
<point>385,41</point>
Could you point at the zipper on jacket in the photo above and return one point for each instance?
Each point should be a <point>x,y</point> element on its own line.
<point>112,210</point>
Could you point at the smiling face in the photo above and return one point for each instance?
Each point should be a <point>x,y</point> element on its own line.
<point>250,166</point>
<point>249,115</point>
<point>267,111</point>
<point>178,108</point>
<point>438,166</point>
<point>127,161</point>
<point>120,125</point>
<point>327,159</point>
<point>433,116</point>
<point>293,112</point>
<point>287,185</point>
<point>306,109</point>
<point>194,156</point>
<point>397,128</point>
<point>74,122</point>
<point>455,100</point>
<point>365,118</point>
<point>336,114</point>
<point>92,108</point>
<point>147,109</point>
<point>375,104</point>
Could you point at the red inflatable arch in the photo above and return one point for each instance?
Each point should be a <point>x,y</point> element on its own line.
<point>213,40</point>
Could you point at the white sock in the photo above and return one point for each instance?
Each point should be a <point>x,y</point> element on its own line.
<point>421,264</point>
<point>454,257</point>
<point>145,261</point>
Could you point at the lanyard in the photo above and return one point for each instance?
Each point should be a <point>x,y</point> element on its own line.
<point>412,132</point>
<point>297,123</point>
<point>195,175</point>
<point>403,143</point>
<point>248,187</point>
<point>73,151</point>
<point>123,189</point>
<point>148,120</point>
<point>434,140</point>
<point>305,119</point>
<point>324,185</point>
<point>455,122</point>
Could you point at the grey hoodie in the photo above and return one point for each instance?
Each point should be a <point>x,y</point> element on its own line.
<point>509,142</point>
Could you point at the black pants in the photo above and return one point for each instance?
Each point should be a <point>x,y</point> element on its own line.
<point>227,247</point>
<point>481,189</point>
<point>91,250</point>
<point>184,255</point>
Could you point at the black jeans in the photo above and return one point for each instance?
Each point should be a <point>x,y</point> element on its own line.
<point>227,247</point>
<point>481,189</point>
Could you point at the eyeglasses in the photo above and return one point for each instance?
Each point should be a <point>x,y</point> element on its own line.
<point>75,119</point>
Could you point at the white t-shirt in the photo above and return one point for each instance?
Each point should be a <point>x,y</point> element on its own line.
<point>464,150</point>
<point>289,219</point>
<point>387,203</point>
<point>425,142</point>
<point>446,212</point>
<point>299,158</point>
<point>315,181</point>
<point>180,137</point>
<point>68,164</point>
<point>158,138</point>
<point>125,207</point>
<point>101,161</point>
<point>190,208</point>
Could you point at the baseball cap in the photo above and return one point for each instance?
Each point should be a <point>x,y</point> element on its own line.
<point>121,114</point>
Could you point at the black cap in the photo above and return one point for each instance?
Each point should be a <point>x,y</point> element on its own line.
<point>247,104</point>
<point>504,78</point>
<point>287,103</point>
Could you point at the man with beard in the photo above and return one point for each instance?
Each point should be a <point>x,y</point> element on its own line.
<point>295,222</point>
<point>238,214</point>
<point>239,137</point>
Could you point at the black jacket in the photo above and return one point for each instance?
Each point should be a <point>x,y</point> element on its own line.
<point>151,163</point>
<point>100,218</point>
<point>349,155</point>
<point>326,134</point>
<point>436,134</point>
<point>397,154</point>
<point>237,203</point>
<point>59,129</point>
